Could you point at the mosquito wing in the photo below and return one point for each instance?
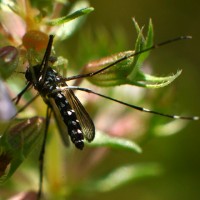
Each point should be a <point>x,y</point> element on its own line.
<point>86,122</point>
<point>60,123</point>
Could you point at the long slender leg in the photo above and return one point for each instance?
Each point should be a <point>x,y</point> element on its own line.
<point>129,105</point>
<point>18,97</point>
<point>42,152</point>
<point>155,46</point>
<point>26,105</point>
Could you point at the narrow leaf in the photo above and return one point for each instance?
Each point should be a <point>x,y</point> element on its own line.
<point>104,140</point>
<point>149,38</point>
<point>75,20</point>
<point>149,81</point>
<point>168,129</point>
<point>67,18</point>
<point>121,176</point>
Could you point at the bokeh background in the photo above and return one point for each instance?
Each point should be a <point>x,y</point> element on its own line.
<point>109,29</point>
<point>179,153</point>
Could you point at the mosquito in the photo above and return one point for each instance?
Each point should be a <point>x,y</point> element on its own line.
<point>62,102</point>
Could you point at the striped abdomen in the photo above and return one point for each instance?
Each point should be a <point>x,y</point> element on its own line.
<point>70,119</point>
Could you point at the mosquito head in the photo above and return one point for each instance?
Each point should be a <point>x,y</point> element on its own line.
<point>32,73</point>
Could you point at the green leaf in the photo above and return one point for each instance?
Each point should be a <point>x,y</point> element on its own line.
<point>74,20</point>
<point>19,139</point>
<point>125,67</point>
<point>104,140</point>
<point>67,18</point>
<point>149,81</point>
<point>149,38</point>
<point>116,75</point>
<point>167,129</point>
<point>141,44</point>
<point>121,176</point>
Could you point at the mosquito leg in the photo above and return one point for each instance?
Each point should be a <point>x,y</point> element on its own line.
<point>130,105</point>
<point>18,97</point>
<point>155,46</point>
<point>42,152</point>
<point>25,106</point>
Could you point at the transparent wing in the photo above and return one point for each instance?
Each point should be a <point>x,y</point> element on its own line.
<point>63,131</point>
<point>86,122</point>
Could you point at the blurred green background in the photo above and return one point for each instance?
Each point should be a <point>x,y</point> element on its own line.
<point>178,154</point>
<point>109,29</point>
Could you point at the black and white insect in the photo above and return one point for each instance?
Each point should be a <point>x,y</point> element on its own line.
<point>62,102</point>
<point>49,84</point>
